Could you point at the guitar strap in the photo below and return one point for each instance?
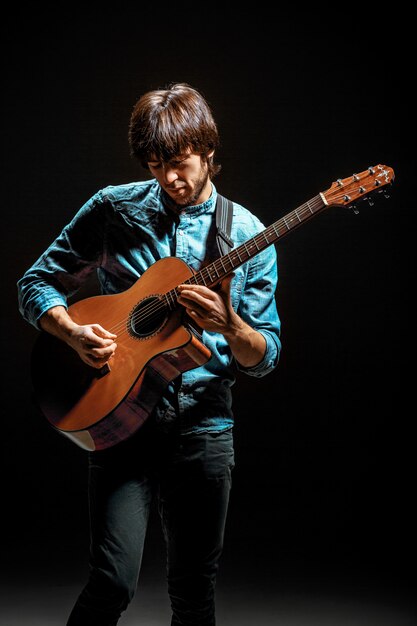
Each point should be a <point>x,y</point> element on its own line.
<point>224,216</point>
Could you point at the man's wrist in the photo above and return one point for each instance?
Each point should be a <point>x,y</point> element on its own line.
<point>235,328</point>
<point>57,321</point>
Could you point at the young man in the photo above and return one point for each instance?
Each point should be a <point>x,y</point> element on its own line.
<point>183,454</point>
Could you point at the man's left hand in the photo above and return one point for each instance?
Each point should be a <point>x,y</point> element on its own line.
<point>211,310</point>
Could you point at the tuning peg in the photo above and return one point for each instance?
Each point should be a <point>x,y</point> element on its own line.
<point>354,209</point>
<point>386,194</point>
<point>370,201</point>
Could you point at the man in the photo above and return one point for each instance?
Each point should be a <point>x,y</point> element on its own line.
<point>183,454</point>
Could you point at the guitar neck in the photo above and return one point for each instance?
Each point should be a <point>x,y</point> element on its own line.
<point>225,265</point>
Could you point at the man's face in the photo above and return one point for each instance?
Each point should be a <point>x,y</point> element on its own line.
<point>185,178</point>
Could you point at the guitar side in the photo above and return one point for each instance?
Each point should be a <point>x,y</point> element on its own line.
<point>99,408</point>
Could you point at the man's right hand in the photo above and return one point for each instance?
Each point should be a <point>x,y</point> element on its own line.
<point>94,344</point>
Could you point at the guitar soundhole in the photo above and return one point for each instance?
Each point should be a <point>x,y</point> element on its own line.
<point>148,317</point>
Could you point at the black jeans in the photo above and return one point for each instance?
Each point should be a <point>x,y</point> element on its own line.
<point>191,477</point>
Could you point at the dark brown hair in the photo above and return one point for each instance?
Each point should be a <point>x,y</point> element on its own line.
<point>167,122</point>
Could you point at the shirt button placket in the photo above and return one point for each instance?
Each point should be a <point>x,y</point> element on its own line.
<point>180,243</point>
<point>182,240</point>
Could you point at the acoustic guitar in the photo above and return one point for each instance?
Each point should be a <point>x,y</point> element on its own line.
<point>156,342</point>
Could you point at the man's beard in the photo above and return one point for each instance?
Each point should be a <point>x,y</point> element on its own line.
<point>198,188</point>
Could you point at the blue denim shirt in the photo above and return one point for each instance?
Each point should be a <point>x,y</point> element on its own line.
<point>119,233</point>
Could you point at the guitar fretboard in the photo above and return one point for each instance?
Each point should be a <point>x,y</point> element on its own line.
<point>225,265</point>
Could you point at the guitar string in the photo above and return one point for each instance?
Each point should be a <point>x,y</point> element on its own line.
<point>155,307</point>
<point>276,226</point>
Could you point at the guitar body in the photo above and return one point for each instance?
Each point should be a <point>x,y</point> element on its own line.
<point>100,408</point>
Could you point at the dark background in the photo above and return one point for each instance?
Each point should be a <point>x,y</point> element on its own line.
<point>324,490</point>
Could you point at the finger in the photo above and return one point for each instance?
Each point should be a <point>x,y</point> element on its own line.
<point>90,338</point>
<point>102,353</point>
<point>102,332</point>
<point>195,289</point>
<point>192,309</point>
<point>95,360</point>
<point>96,363</point>
<point>195,315</point>
<point>96,349</point>
<point>193,298</point>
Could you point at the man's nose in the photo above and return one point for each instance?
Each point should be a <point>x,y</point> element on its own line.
<point>170,174</point>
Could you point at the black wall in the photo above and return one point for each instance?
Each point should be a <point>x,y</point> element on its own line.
<point>324,479</point>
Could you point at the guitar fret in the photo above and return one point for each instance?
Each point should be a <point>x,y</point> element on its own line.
<point>222,264</point>
<point>237,256</point>
<point>215,269</point>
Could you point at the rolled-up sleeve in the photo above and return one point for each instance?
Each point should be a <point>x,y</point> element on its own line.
<point>64,266</point>
<point>258,309</point>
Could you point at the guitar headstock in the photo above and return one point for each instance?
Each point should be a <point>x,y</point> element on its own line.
<point>346,191</point>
